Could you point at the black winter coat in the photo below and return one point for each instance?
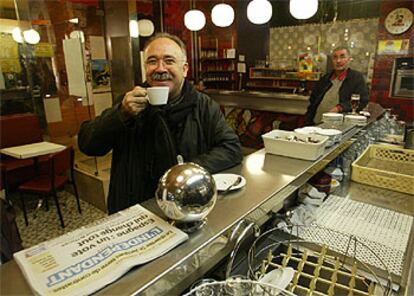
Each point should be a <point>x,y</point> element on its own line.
<point>354,83</point>
<point>139,146</point>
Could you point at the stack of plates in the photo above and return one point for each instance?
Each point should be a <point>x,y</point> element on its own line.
<point>333,118</point>
<point>356,119</point>
<point>334,135</point>
<point>307,130</point>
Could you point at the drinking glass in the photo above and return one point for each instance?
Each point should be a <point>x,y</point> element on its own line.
<point>393,125</point>
<point>346,166</point>
<point>387,113</point>
<point>355,102</point>
<point>206,291</point>
<point>237,285</point>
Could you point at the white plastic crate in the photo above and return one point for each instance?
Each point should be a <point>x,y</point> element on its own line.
<point>385,166</point>
<point>276,142</point>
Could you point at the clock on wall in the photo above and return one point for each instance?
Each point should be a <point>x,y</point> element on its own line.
<point>399,20</point>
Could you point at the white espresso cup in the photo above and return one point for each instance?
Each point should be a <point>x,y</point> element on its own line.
<point>158,95</point>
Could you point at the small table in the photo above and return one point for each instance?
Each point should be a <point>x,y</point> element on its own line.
<point>32,150</point>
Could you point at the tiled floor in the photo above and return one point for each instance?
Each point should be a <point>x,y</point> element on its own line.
<point>46,225</point>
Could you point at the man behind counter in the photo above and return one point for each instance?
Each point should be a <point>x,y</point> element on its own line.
<point>146,139</point>
<point>333,91</point>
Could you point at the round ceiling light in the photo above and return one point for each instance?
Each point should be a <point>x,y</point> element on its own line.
<point>17,35</point>
<point>259,11</point>
<point>31,36</point>
<point>303,9</point>
<point>222,15</point>
<point>194,20</point>
<point>146,27</point>
<point>133,29</point>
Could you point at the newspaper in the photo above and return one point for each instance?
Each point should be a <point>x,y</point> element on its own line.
<point>87,259</point>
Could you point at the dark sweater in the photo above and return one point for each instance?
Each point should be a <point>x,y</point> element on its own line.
<point>138,161</point>
<point>354,83</point>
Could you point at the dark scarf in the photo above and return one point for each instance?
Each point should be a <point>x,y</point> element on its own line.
<point>163,132</point>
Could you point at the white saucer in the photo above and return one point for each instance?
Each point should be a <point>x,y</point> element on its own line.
<point>279,277</point>
<point>333,116</point>
<point>223,181</point>
<point>329,132</point>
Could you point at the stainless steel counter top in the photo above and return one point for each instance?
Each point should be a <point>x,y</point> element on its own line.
<point>261,100</point>
<point>266,175</point>
<point>270,179</point>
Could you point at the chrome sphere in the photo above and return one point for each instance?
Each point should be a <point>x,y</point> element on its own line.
<point>186,192</point>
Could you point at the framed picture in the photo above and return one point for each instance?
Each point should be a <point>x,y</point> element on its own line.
<point>100,76</point>
<point>393,46</point>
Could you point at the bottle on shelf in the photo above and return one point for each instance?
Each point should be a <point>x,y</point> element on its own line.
<point>219,73</point>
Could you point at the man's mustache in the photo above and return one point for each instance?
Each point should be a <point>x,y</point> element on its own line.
<point>161,76</point>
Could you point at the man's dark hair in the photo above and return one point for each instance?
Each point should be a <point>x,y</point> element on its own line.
<point>172,37</point>
<point>341,47</point>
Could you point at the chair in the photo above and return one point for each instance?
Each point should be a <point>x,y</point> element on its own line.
<point>16,130</point>
<point>10,241</point>
<point>55,178</point>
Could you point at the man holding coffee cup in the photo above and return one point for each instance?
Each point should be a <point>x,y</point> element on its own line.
<point>333,91</point>
<point>151,125</point>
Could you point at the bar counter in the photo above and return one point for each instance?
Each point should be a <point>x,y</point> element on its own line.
<point>262,100</point>
<point>270,180</point>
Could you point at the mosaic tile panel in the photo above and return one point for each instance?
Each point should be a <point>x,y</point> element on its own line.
<point>360,35</point>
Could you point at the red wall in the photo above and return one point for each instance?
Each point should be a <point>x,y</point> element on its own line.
<point>380,92</point>
<point>145,7</point>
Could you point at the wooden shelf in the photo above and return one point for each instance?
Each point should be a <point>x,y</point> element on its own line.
<point>220,81</point>
<point>282,78</point>
<point>218,71</point>
<point>279,74</point>
<point>217,60</point>
<point>271,86</point>
<point>278,79</point>
<point>274,69</point>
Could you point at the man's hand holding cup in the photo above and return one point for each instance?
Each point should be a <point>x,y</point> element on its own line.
<point>137,100</point>
<point>134,102</point>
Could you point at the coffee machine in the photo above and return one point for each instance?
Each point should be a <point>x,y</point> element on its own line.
<point>402,83</point>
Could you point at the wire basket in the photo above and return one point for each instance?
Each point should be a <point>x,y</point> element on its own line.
<point>320,268</point>
<point>237,287</point>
